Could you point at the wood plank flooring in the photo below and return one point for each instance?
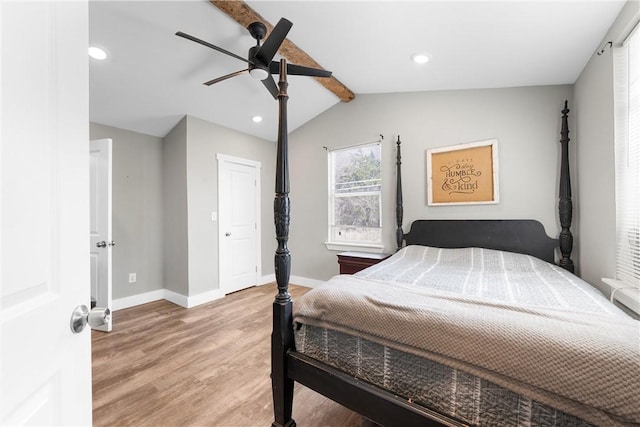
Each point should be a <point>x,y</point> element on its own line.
<point>164,365</point>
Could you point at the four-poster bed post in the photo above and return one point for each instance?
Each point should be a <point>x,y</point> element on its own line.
<point>282,334</point>
<point>399,209</point>
<point>565,206</point>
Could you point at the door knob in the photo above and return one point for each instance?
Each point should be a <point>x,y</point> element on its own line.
<point>81,316</point>
<point>111,243</point>
<point>227,234</point>
<point>102,244</point>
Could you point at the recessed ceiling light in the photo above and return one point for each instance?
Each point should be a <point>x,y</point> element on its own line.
<point>420,58</point>
<point>256,119</point>
<point>97,53</point>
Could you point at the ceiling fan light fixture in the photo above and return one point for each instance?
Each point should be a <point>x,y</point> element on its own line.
<point>97,53</point>
<point>420,58</point>
<point>259,73</point>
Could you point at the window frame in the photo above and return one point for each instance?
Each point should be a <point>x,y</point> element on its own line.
<point>338,245</point>
<point>625,287</point>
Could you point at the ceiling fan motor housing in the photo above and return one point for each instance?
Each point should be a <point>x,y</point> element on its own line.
<point>257,70</point>
<point>257,30</point>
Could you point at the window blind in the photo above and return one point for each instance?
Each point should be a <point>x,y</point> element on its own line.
<point>627,158</point>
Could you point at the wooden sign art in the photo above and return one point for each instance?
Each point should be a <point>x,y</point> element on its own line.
<point>463,174</point>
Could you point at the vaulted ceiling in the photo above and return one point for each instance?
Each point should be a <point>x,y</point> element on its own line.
<point>152,78</point>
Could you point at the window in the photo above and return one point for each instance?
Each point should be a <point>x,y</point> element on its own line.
<point>355,197</point>
<point>627,154</point>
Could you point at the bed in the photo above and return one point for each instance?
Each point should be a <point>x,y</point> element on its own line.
<point>469,323</point>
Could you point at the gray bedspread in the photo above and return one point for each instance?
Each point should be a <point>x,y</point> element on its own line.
<point>511,319</point>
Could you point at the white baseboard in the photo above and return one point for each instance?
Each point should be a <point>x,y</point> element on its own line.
<point>296,280</point>
<point>174,297</point>
<point>195,300</point>
<point>306,282</point>
<point>265,280</point>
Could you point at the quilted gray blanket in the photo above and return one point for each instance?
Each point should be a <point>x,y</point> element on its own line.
<point>512,319</point>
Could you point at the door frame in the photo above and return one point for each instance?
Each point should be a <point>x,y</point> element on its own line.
<point>222,159</point>
<point>104,297</point>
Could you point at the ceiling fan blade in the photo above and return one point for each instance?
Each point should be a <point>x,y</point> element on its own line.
<point>228,76</point>
<point>299,70</point>
<point>271,45</point>
<point>207,44</point>
<point>270,84</point>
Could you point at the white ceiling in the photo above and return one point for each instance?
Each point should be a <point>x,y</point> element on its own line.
<point>153,78</point>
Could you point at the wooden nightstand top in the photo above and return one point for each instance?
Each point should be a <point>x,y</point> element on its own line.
<point>352,262</point>
<point>364,255</point>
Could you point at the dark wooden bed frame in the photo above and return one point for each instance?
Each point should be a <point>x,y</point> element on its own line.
<point>384,408</point>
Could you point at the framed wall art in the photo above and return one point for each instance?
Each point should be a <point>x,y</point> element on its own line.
<point>463,174</point>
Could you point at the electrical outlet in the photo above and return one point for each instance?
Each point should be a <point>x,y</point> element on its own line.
<point>132,278</point>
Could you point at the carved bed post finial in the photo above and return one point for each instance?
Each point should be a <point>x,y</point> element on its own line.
<point>565,205</point>
<point>282,334</point>
<point>281,207</point>
<point>399,210</point>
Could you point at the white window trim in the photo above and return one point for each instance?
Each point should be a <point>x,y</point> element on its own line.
<point>621,292</point>
<point>364,247</point>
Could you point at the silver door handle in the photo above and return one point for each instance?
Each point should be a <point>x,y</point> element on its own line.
<point>81,316</point>
<point>111,243</point>
<point>227,234</point>
<point>102,244</point>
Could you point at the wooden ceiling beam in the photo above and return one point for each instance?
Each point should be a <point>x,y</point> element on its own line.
<point>244,15</point>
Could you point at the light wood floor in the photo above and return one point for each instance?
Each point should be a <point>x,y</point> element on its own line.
<point>164,365</point>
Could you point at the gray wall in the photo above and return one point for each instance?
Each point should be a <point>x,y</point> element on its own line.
<point>174,204</point>
<point>137,209</point>
<point>164,191</point>
<point>593,143</point>
<point>526,121</point>
<point>204,141</point>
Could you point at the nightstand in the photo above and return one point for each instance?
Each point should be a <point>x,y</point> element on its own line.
<point>352,262</point>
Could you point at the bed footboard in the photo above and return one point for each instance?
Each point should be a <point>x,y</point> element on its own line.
<point>378,405</point>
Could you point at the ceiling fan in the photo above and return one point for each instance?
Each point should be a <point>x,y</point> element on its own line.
<point>260,57</point>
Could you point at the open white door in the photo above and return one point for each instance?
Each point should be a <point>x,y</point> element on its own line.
<point>45,376</point>
<point>100,238</point>
<point>239,225</point>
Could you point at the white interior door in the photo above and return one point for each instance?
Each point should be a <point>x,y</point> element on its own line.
<point>100,238</point>
<point>45,374</point>
<point>239,206</point>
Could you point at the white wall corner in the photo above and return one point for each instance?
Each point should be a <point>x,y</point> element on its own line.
<point>265,280</point>
<point>203,298</point>
<point>176,298</point>
<point>166,294</point>
<point>133,300</point>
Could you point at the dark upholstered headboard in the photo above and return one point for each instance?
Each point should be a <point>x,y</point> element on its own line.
<point>514,235</point>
